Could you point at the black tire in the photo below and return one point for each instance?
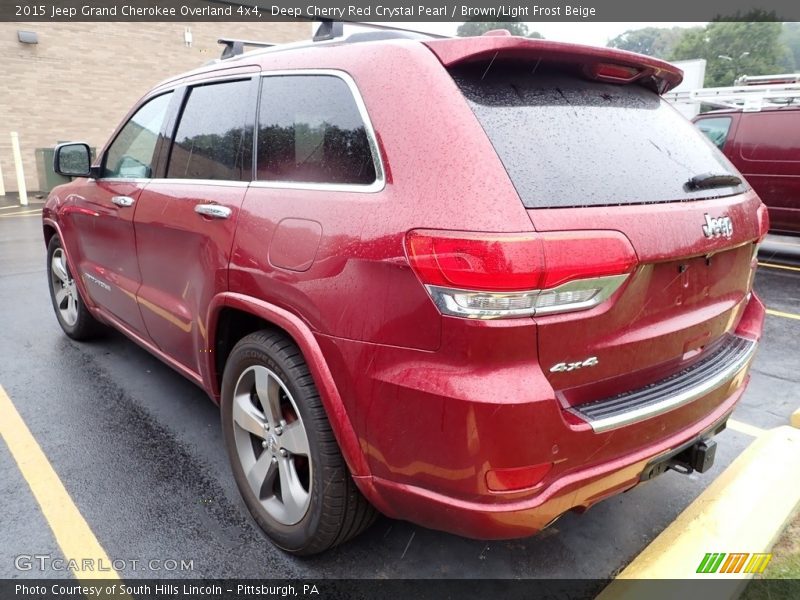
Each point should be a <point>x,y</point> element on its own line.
<point>336,511</point>
<point>72,314</point>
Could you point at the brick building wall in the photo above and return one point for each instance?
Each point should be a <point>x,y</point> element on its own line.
<point>81,79</point>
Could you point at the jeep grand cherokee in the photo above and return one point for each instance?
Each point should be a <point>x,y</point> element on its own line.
<point>472,283</point>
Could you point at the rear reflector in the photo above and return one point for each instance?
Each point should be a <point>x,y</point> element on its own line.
<point>763,222</point>
<point>506,480</point>
<point>488,275</point>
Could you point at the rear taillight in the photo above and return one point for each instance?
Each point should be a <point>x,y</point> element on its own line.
<point>486,275</point>
<point>476,261</point>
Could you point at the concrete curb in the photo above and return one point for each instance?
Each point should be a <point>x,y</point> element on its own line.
<point>744,510</point>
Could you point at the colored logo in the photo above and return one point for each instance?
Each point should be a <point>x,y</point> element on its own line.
<point>742,562</point>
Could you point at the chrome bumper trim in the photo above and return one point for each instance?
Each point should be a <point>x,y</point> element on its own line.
<point>705,376</point>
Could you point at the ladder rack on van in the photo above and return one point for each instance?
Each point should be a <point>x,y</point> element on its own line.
<point>750,98</point>
<point>767,79</point>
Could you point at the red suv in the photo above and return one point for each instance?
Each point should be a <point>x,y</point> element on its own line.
<point>472,283</point>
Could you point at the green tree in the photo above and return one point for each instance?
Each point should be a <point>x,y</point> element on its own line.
<point>473,28</point>
<point>653,41</point>
<point>692,44</point>
<point>734,48</point>
<point>790,36</point>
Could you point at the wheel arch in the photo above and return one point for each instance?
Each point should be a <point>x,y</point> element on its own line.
<point>51,229</point>
<point>245,309</point>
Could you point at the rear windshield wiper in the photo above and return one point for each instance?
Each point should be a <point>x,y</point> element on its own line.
<point>707,181</point>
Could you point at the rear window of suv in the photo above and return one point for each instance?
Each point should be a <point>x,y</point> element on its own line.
<point>568,142</point>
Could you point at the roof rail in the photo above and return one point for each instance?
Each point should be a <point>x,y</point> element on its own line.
<point>327,31</point>
<point>330,29</point>
<point>234,47</point>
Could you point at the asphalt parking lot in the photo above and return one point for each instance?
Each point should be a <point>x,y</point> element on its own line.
<point>139,450</point>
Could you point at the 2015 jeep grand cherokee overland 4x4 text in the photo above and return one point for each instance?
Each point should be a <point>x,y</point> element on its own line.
<point>472,283</point>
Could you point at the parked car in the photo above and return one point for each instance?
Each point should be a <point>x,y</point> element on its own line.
<point>765,146</point>
<point>472,283</point>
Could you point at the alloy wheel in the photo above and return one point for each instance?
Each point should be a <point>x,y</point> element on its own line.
<point>272,444</point>
<point>64,290</point>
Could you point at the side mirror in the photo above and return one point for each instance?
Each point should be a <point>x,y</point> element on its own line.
<point>73,160</point>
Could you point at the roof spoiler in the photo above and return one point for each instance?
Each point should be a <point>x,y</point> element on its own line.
<point>651,72</point>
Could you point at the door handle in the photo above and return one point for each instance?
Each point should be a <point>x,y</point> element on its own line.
<point>215,211</point>
<point>122,201</point>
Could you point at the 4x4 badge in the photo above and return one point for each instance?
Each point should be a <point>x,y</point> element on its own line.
<point>715,227</point>
<point>564,367</point>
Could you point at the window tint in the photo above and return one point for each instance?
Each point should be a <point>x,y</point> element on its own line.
<point>210,142</point>
<point>310,130</point>
<point>715,129</point>
<point>566,141</point>
<point>131,153</point>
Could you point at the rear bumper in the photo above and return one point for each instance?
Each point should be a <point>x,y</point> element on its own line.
<point>576,491</point>
<point>711,373</point>
<point>431,431</point>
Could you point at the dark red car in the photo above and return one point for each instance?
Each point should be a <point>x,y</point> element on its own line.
<point>765,146</point>
<point>472,283</point>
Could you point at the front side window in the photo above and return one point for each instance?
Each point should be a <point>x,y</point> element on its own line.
<point>311,131</point>
<point>716,129</point>
<point>131,153</point>
<point>211,140</point>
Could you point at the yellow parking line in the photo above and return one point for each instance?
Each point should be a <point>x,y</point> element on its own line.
<point>21,207</point>
<point>745,508</point>
<point>70,529</point>
<point>785,315</point>
<point>33,211</point>
<point>745,428</point>
<point>774,266</point>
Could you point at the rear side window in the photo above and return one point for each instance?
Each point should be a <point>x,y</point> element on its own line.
<point>715,129</point>
<point>566,141</point>
<point>310,130</point>
<point>770,136</point>
<point>210,142</point>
